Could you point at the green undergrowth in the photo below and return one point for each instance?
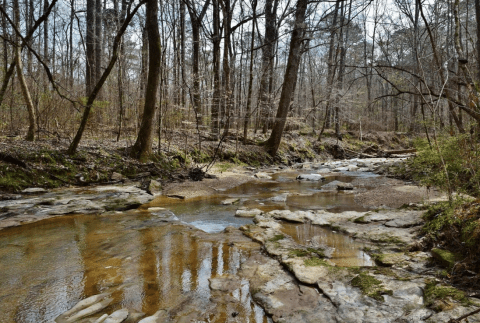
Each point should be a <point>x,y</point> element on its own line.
<point>455,228</point>
<point>435,292</point>
<point>460,218</point>
<point>461,158</point>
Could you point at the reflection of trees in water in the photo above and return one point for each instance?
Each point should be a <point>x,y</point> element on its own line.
<point>146,269</point>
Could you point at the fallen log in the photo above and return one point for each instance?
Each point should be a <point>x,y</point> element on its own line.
<point>400,151</point>
<point>359,154</point>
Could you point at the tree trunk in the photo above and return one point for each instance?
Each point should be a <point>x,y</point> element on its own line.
<point>250,77</point>
<point>32,127</point>
<point>98,40</point>
<point>330,71</point>
<point>267,60</point>
<point>196,21</point>
<point>143,146</point>
<point>93,95</point>
<point>216,39</point>
<point>90,48</point>
<point>477,17</point>
<point>228,89</point>
<point>290,78</point>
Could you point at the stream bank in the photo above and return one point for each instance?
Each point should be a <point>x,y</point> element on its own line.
<point>277,265</point>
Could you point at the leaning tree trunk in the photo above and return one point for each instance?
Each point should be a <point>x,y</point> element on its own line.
<point>32,127</point>
<point>93,95</point>
<point>143,145</point>
<point>290,78</point>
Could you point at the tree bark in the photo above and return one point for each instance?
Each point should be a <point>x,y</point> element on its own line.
<point>330,71</point>
<point>32,127</point>
<point>216,39</point>
<point>143,146</point>
<point>90,48</point>
<point>93,95</point>
<point>250,77</point>
<point>290,78</point>
<point>267,60</point>
<point>196,21</point>
<point>477,17</point>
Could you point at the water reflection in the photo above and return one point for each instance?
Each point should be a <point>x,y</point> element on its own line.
<point>49,266</point>
<point>346,251</point>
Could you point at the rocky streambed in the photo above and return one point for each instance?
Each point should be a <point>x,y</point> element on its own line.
<point>317,242</point>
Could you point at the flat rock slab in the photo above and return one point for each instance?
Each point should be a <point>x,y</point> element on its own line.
<point>247,213</point>
<point>262,175</point>
<point>230,201</point>
<point>292,216</point>
<point>93,200</point>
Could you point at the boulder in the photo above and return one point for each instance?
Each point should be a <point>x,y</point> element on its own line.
<point>247,213</point>
<point>261,175</point>
<point>116,177</point>
<point>230,201</point>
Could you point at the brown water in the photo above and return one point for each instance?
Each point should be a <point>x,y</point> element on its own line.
<point>210,215</point>
<point>346,251</point>
<point>148,264</point>
<point>47,267</point>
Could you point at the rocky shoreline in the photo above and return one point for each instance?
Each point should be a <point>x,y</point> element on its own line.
<point>291,281</point>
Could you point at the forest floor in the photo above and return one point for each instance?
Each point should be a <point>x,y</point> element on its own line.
<point>44,163</point>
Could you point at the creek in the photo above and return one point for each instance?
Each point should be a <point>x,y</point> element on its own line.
<point>163,256</point>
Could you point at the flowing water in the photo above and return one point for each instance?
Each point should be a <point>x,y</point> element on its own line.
<point>149,264</point>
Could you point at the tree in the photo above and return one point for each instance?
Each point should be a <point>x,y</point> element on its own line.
<point>32,126</point>
<point>268,56</point>
<point>143,145</point>
<point>196,21</point>
<point>290,78</point>
<point>93,94</point>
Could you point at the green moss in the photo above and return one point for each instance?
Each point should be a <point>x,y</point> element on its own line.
<point>314,261</point>
<point>370,286</point>
<point>434,292</point>
<point>360,220</point>
<point>277,237</point>
<point>445,257</point>
<point>389,239</point>
<point>309,252</point>
<point>390,273</point>
<point>318,251</point>
<point>298,253</point>
<point>389,259</point>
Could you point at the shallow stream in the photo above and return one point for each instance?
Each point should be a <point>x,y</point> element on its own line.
<point>148,263</point>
